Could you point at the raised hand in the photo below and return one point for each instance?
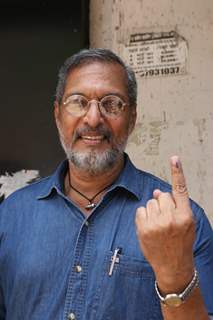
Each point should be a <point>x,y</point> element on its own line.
<point>166,232</point>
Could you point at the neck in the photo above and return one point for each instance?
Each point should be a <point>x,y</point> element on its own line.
<point>89,184</point>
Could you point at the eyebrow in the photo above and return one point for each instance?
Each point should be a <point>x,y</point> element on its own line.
<point>105,95</point>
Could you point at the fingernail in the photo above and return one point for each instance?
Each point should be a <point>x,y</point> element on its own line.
<point>156,193</point>
<point>176,162</point>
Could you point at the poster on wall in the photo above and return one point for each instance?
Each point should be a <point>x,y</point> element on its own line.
<point>158,54</point>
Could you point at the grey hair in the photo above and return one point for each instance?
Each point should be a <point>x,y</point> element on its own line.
<point>87,56</point>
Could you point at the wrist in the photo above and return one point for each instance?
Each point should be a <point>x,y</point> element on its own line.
<point>174,282</point>
<point>175,299</point>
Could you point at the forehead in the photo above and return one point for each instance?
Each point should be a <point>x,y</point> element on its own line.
<point>97,77</point>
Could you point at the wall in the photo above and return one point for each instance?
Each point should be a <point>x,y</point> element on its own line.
<point>36,38</point>
<point>175,111</point>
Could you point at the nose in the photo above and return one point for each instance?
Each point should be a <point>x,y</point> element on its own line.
<point>93,117</point>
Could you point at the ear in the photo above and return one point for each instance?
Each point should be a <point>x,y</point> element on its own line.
<point>56,110</point>
<point>133,118</point>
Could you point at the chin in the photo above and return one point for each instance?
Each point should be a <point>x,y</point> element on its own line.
<point>94,161</point>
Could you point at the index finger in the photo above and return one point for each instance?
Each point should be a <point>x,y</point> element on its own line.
<point>179,188</point>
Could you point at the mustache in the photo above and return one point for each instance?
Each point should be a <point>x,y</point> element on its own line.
<point>86,130</point>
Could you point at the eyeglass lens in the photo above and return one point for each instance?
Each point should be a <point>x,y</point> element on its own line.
<point>109,105</point>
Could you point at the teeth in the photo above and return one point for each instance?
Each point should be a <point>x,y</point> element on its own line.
<point>92,138</point>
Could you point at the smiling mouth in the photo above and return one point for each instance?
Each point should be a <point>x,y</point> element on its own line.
<point>93,137</point>
<point>93,140</point>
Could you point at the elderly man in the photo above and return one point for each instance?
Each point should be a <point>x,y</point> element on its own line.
<point>70,248</point>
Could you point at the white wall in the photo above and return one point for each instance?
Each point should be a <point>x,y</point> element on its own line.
<point>175,114</point>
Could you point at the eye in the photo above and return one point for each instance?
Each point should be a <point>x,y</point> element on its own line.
<point>82,102</point>
<point>112,104</point>
<point>76,101</point>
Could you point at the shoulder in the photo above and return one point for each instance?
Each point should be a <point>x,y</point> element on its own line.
<point>142,183</point>
<point>155,182</point>
<point>25,195</point>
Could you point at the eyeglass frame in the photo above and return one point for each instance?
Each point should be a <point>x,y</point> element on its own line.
<point>101,108</point>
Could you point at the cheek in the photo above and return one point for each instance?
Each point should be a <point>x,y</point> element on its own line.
<point>66,125</point>
<point>120,131</point>
<point>122,126</point>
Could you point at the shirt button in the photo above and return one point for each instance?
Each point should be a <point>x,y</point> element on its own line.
<point>87,223</point>
<point>71,316</point>
<point>78,268</point>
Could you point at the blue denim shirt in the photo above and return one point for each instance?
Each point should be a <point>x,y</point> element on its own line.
<point>55,262</point>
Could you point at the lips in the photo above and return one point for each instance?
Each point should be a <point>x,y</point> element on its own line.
<point>92,139</point>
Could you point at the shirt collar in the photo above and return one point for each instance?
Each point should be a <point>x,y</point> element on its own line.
<point>54,182</point>
<point>129,179</point>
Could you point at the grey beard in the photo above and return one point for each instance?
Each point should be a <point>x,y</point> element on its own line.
<point>93,162</point>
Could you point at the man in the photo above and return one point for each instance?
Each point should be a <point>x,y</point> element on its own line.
<point>69,245</point>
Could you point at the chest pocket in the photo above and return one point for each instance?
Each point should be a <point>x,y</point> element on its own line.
<point>129,293</point>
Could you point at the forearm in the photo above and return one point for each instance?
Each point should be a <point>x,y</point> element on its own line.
<point>192,309</point>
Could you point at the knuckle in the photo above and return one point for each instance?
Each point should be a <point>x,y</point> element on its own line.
<point>140,213</point>
<point>188,221</point>
<point>166,202</point>
<point>185,223</point>
<point>165,196</point>
<point>181,189</point>
<point>168,225</point>
<point>151,203</point>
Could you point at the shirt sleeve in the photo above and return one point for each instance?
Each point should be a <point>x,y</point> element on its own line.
<point>2,306</point>
<point>203,255</point>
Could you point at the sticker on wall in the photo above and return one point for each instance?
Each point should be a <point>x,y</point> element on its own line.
<point>157,54</point>
<point>11,182</point>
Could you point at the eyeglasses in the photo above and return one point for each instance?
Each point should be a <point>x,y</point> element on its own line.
<point>110,106</point>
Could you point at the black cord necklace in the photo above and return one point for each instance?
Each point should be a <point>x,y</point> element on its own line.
<point>91,204</point>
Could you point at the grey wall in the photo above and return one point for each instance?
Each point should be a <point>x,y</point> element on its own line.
<point>175,111</point>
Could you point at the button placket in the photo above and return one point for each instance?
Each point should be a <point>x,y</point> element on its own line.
<point>74,301</point>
